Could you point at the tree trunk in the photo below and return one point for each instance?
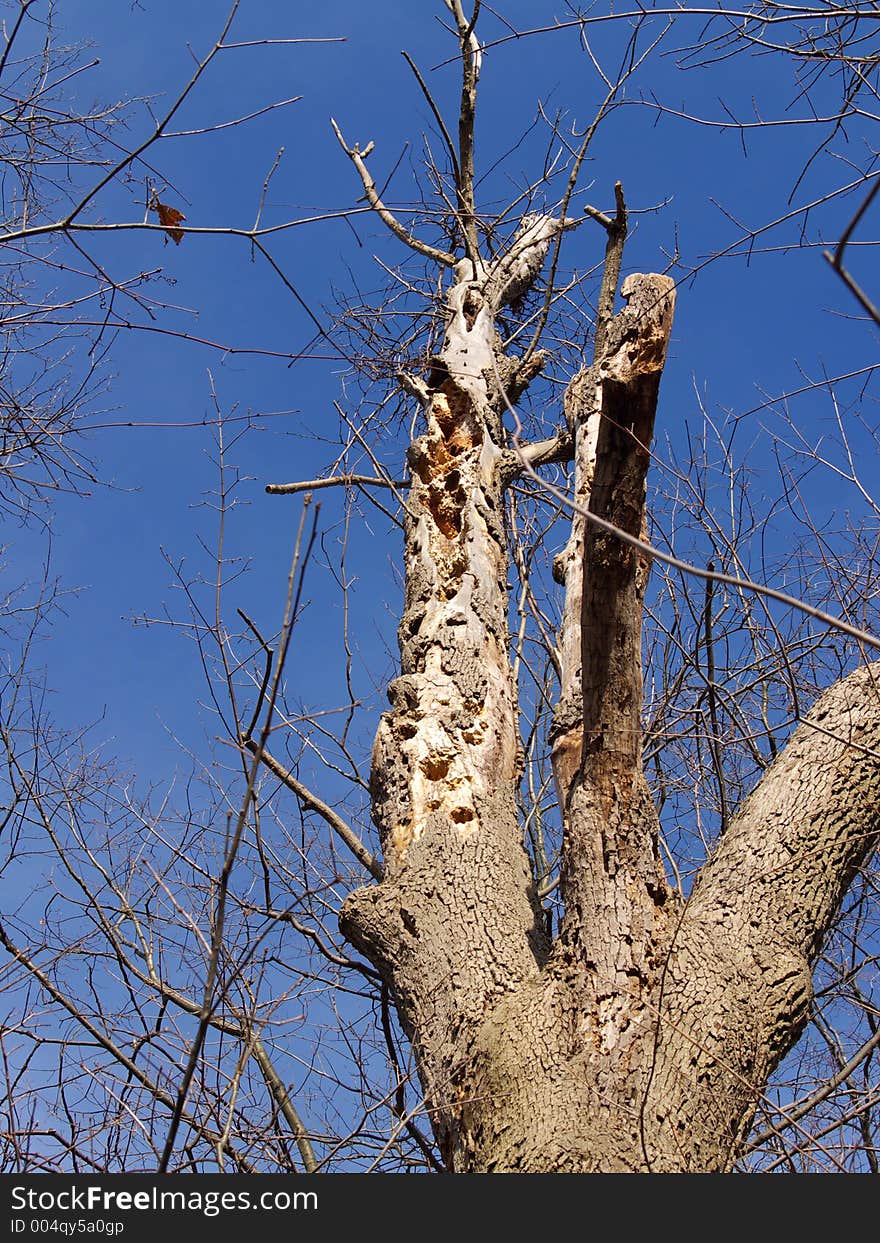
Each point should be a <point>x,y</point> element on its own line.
<point>640,1039</point>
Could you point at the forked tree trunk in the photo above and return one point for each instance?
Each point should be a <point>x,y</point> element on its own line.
<point>641,1037</point>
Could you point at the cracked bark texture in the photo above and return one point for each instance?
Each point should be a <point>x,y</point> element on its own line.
<point>640,1039</point>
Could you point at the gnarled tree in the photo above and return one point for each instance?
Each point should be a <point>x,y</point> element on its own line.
<point>640,1036</point>
<point>598,960</point>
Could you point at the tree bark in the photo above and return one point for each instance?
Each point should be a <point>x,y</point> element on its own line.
<point>455,924</point>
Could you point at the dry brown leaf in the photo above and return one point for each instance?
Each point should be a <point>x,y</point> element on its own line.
<point>169,217</point>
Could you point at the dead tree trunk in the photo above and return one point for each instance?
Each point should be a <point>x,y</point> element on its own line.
<point>642,1036</point>
<point>454,926</point>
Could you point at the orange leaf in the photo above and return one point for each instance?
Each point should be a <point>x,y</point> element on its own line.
<point>169,217</point>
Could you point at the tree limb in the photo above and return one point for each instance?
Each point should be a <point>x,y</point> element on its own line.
<point>282,1099</point>
<point>471,57</point>
<point>357,158</point>
<point>738,986</point>
<point>343,481</point>
<point>327,814</point>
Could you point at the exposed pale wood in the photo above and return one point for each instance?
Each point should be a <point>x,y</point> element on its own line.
<point>454,925</point>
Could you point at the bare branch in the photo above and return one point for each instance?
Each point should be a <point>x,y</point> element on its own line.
<point>357,158</point>
<point>335,481</point>
<point>327,814</point>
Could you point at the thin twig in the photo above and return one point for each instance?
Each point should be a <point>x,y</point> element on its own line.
<point>715,745</point>
<point>294,591</point>
<point>317,805</point>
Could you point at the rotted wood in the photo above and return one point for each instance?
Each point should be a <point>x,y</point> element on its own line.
<point>628,377</point>
<point>610,409</point>
<point>615,894</point>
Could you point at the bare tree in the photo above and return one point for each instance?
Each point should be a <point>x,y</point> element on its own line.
<point>642,1035</point>
<point>618,914</point>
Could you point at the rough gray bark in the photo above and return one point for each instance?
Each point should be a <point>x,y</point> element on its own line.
<point>738,983</point>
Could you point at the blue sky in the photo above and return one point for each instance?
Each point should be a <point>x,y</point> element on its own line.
<point>739,327</point>
<point>747,328</point>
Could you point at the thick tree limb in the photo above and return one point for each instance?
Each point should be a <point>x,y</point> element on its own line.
<point>610,410</point>
<point>738,986</point>
<point>518,269</point>
<point>797,842</point>
<point>612,881</point>
<point>454,924</point>
<point>628,377</point>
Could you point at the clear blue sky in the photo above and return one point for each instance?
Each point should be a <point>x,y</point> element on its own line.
<point>745,329</point>
<point>740,328</point>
